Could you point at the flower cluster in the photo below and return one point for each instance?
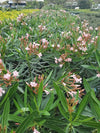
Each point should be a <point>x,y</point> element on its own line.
<point>6,77</point>
<point>62,59</point>
<point>20,17</point>
<point>42,28</point>
<point>70,82</point>
<point>72,87</point>
<point>34,85</point>
<point>35,48</point>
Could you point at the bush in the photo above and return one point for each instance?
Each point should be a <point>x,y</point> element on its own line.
<point>84,4</point>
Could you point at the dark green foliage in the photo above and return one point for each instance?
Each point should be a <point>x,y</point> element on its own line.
<point>84,4</point>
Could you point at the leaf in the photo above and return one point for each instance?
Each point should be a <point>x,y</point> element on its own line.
<point>55,104</point>
<point>5,115</point>
<point>92,78</point>
<point>54,127</point>
<point>82,105</point>
<point>15,118</point>
<point>86,120</point>
<point>44,112</point>
<point>50,102</point>
<point>91,124</point>
<point>67,128</point>
<point>86,85</point>
<point>27,122</point>
<point>95,105</point>
<point>40,91</point>
<point>61,97</point>
<point>90,67</point>
<point>62,111</point>
<point>9,94</point>
<point>47,79</point>
<point>97,57</point>
<point>25,97</point>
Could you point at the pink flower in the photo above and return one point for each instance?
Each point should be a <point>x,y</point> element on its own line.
<point>44,41</point>
<point>64,84</point>
<point>56,60</point>
<point>96,28</point>
<point>39,55</point>
<point>58,45</point>
<point>33,84</point>
<point>98,75</point>
<point>60,65</point>
<point>27,35</point>
<point>72,93</point>
<point>35,131</point>
<point>90,28</point>
<point>7,76</point>
<point>53,45</point>
<point>79,39</point>
<point>27,48</point>
<point>47,92</point>
<point>71,48</point>
<point>1,91</point>
<point>77,80</point>
<point>84,49</point>
<point>15,74</point>
<point>68,59</point>
<point>0,61</point>
<point>60,59</point>
<point>0,70</point>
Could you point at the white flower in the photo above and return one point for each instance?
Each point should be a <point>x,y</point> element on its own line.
<point>7,76</point>
<point>35,131</point>
<point>33,84</point>
<point>27,48</point>
<point>79,39</point>
<point>60,65</point>
<point>47,92</point>
<point>98,75</point>
<point>39,55</point>
<point>15,74</point>
<point>1,91</point>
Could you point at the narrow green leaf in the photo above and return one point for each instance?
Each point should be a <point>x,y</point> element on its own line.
<point>86,85</point>
<point>91,124</point>
<point>50,102</point>
<point>25,97</point>
<point>54,127</point>
<point>27,122</point>
<point>85,120</point>
<point>47,79</point>
<point>44,112</point>
<point>5,115</point>
<point>67,128</point>
<point>15,118</point>
<point>10,93</point>
<point>97,57</point>
<point>82,105</point>
<point>55,104</point>
<point>16,104</point>
<point>62,111</point>
<point>91,79</point>
<point>95,105</point>
<point>73,130</point>
<point>61,97</point>
<point>90,67</point>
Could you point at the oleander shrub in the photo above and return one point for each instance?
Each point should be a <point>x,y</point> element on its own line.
<point>49,74</point>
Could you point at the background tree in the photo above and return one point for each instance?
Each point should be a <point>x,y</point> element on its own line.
<point>84,4</point>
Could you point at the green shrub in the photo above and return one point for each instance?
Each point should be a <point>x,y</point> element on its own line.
<point>84,4</point>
